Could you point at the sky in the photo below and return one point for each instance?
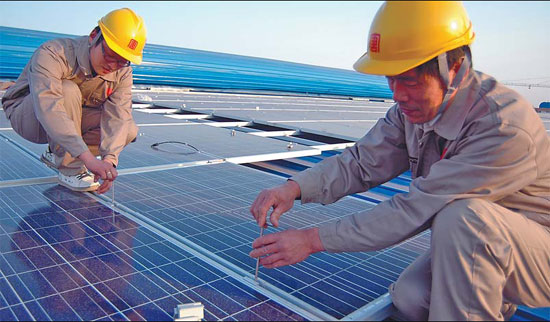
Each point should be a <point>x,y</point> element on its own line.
<point>512,37</point>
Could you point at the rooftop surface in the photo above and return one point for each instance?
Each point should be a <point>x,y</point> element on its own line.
<point>179,230</point>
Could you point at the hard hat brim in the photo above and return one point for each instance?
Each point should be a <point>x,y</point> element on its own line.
<point>367,65</point>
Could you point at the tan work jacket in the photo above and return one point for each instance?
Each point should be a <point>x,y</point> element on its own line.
<point>488,144</point>
<point>69,59</point>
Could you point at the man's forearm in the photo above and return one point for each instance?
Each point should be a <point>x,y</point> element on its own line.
<point>86,157</point>
<point>313,236</point>
<point>294,188</point>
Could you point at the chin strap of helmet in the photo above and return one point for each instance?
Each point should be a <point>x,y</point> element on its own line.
<point>91,73</point>
<point>444,73</point>
<point>96,39</point>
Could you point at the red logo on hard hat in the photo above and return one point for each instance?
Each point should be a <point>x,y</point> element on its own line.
<point>132,44</point>
<point>374,44</point>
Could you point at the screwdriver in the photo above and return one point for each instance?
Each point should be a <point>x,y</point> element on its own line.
<point>258,260</point>
<point>113,201</point>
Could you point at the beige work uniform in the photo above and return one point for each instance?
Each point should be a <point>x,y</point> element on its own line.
<point>57,100</point>
<point>481,182</point>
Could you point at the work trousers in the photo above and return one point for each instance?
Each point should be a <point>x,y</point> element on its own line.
<point>86,121</point>
<point>483,259</point>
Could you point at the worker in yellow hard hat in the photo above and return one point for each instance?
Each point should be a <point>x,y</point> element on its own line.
<point>478,156</point>
<point>75,95</point>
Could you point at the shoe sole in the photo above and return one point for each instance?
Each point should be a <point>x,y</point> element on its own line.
<point>47,162</point>
<point>92,188</point>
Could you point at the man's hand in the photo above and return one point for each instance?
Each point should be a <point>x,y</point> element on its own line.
<point>287,247</point>
<point>281,198</point>
<point>101,169</point>
<point>105,186</point>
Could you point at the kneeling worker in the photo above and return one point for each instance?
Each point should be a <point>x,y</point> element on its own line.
<point>75,95</point>
<point>478,153</point>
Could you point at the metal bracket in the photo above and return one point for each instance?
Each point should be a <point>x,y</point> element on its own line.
<point>189,312</point>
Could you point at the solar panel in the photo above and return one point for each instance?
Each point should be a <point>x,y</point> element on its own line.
<point>208,206</point>
<point>15,164</point>
<point>334,124</point>
<point>342,118</point>
<point>320,280</point>
<point>4,122</point>
<point>150,118</point>
<point>213,101</point>
<point>350,130</point>
<point>10,136</point>
<point>65,257</point>
<point>211,143</point>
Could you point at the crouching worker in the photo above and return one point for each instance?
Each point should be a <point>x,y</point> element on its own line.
<point>75,95</point>
<point>479,157</point>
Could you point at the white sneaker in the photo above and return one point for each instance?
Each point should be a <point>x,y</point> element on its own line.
<point>48,158</point>
<point>81,182</point>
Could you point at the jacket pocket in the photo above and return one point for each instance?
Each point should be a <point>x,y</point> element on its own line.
<point>96,99</point>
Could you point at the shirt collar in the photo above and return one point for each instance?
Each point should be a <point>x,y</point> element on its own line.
<point>452,119</point>
<point>83,59</point>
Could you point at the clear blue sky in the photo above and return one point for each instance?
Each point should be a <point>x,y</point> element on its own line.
<point>512,37</point>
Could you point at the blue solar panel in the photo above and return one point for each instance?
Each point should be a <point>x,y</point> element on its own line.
<point>212,143</point>
<point>152,118</point>
<point>15,164</point>
<point>208,205</point>
<point>32,149</point>
<point>64,256</point>
<point>349,119</point>
<point>4,122</point>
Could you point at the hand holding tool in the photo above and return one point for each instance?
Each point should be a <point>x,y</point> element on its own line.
<point>258,260</point>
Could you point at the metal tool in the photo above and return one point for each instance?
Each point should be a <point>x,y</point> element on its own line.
<point>258,261</point>
<point>189,312</point>
<point>113,201</point>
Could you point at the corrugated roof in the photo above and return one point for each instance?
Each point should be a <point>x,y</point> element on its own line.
<point>165,65</point>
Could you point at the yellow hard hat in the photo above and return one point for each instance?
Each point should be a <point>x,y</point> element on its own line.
<point>406,34</point>
<point>124,32</point>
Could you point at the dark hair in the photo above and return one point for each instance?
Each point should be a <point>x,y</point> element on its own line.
<point>431,67</point>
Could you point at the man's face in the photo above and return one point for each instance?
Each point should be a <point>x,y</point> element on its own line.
<point>104,60</point>
<point>417,96</point>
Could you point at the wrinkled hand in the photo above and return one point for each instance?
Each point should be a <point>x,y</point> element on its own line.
<point>101,169</point>
<point>287,247</point>
<point>281,198</point>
